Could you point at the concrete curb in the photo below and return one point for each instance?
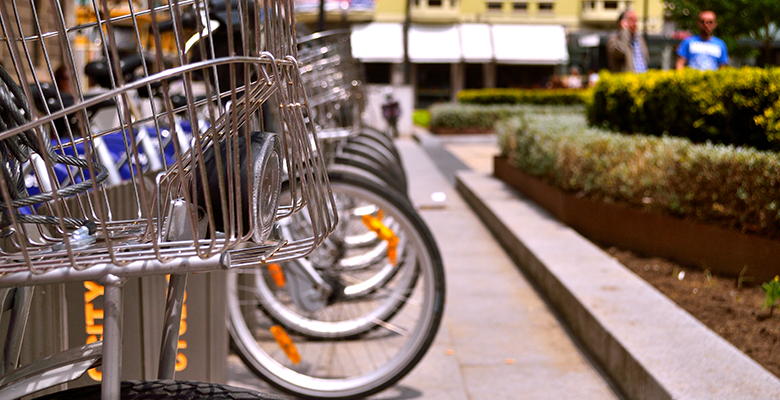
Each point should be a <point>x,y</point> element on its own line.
<point>448,163</point>
<point>650,347</point>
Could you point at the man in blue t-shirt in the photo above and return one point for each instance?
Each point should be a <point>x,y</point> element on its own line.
<point>703,51</point>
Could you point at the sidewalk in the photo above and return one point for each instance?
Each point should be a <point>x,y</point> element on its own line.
<point>498,339</point>
<point>505,342</point>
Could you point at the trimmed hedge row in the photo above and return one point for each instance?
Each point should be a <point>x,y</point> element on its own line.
<point>730,106</point>
<point>464,117</point>
<point>524,96</point>
<point>421,118</point>
<point>734,187</point>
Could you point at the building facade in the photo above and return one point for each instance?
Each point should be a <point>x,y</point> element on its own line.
<point>457,44</point>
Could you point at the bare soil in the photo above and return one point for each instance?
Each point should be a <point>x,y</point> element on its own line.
<point>729,306</point>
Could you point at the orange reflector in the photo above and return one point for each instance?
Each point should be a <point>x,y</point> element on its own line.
<point>392,254</point>
<point>376,225</point>
<point>277,274</point>
<point>284,341</point>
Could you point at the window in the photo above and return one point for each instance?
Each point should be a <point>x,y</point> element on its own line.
<point>494,6</point>
<point>474,77</point>
<point>520,6</point>
<point>610,5</point>
<point>377,72</point>
<point>546,6</point>
<point>434,3</point>
<point>590,4</point>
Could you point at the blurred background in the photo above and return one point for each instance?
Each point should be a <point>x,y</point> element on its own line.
<point>471,44</point>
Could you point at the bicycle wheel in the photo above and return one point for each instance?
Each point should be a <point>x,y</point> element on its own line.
<point>378,152</point>
<point>355,278</point>
<point>357,262</point>
<point>380,140</point>
<point>358,365</point>
<point>371,167</point>
<point>389,167</point>
<point>164,389</point>
<point>377,134</point>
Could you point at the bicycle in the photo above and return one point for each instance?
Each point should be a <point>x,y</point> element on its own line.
<point>376,286</point>
<point>212,207</point>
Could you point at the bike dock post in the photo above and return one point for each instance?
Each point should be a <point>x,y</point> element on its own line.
<point>112,337</point>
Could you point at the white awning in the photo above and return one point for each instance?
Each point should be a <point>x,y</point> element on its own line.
<point>378,42</point>
<point>529,44</point>
<point>475,43</point>
<point>434,44</point>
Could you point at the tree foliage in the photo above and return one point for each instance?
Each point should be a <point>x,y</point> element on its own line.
<point>737,19</point>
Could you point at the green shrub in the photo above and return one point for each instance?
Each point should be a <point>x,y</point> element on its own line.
<point>771,294</point>
<point>421,118</point>
<point>734,187</point>
<point>452,116</point>
<point>731,106</point>
<point>524,96</point>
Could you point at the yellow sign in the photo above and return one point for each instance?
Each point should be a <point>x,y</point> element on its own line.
<point>93,326</point>
<point>91,314</point>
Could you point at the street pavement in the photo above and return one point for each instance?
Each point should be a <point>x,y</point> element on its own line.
<point>498,338</point>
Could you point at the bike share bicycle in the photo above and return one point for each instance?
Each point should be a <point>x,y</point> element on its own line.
<point>364,308</point>
<point>211,207</point>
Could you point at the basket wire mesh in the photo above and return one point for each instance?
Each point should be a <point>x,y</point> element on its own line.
<point>333,79</point>
<point>96,146</point>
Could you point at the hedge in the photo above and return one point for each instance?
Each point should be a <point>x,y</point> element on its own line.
<point>738,188</point>
<point>730,106</point>
<point>524,96</point>
<point>421,118</point>
<point>464,117</point>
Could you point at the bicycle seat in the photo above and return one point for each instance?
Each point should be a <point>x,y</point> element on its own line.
<point>47,97</point>
<point>218,10</point>
<point>179,101</point>
<point>100,71</point>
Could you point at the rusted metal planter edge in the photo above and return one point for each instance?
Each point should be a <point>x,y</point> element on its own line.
<point>722,251</point>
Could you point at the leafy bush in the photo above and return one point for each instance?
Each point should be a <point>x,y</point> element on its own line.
<point>421,118</point>
<point>482,117</point>
<point>734,187</point>
<point>524,96</point>
<point>731,106</point>
<point>771,294</point>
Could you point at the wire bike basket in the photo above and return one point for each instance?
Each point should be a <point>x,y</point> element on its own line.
<point>214,193</point>
<point>333,79</point>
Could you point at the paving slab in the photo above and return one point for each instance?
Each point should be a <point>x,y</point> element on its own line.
<point>506,341</point>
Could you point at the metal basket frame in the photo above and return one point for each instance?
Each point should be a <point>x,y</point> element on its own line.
<point>271,77</point>
<point>256,67</point>
<point>333,79</point>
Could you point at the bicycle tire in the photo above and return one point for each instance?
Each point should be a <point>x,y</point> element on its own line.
<point>377,133</point>
<point>376,147</point>
<point>165,389</point>
<point>373,168</point>
<point>392,171</point>
<point>381,151</point>
<point>338,167</point>
<point>387,162</point>
<point>258,353</point>
<point>380,139</point>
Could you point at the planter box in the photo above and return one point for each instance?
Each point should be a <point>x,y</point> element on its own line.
<point>723,251</point>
